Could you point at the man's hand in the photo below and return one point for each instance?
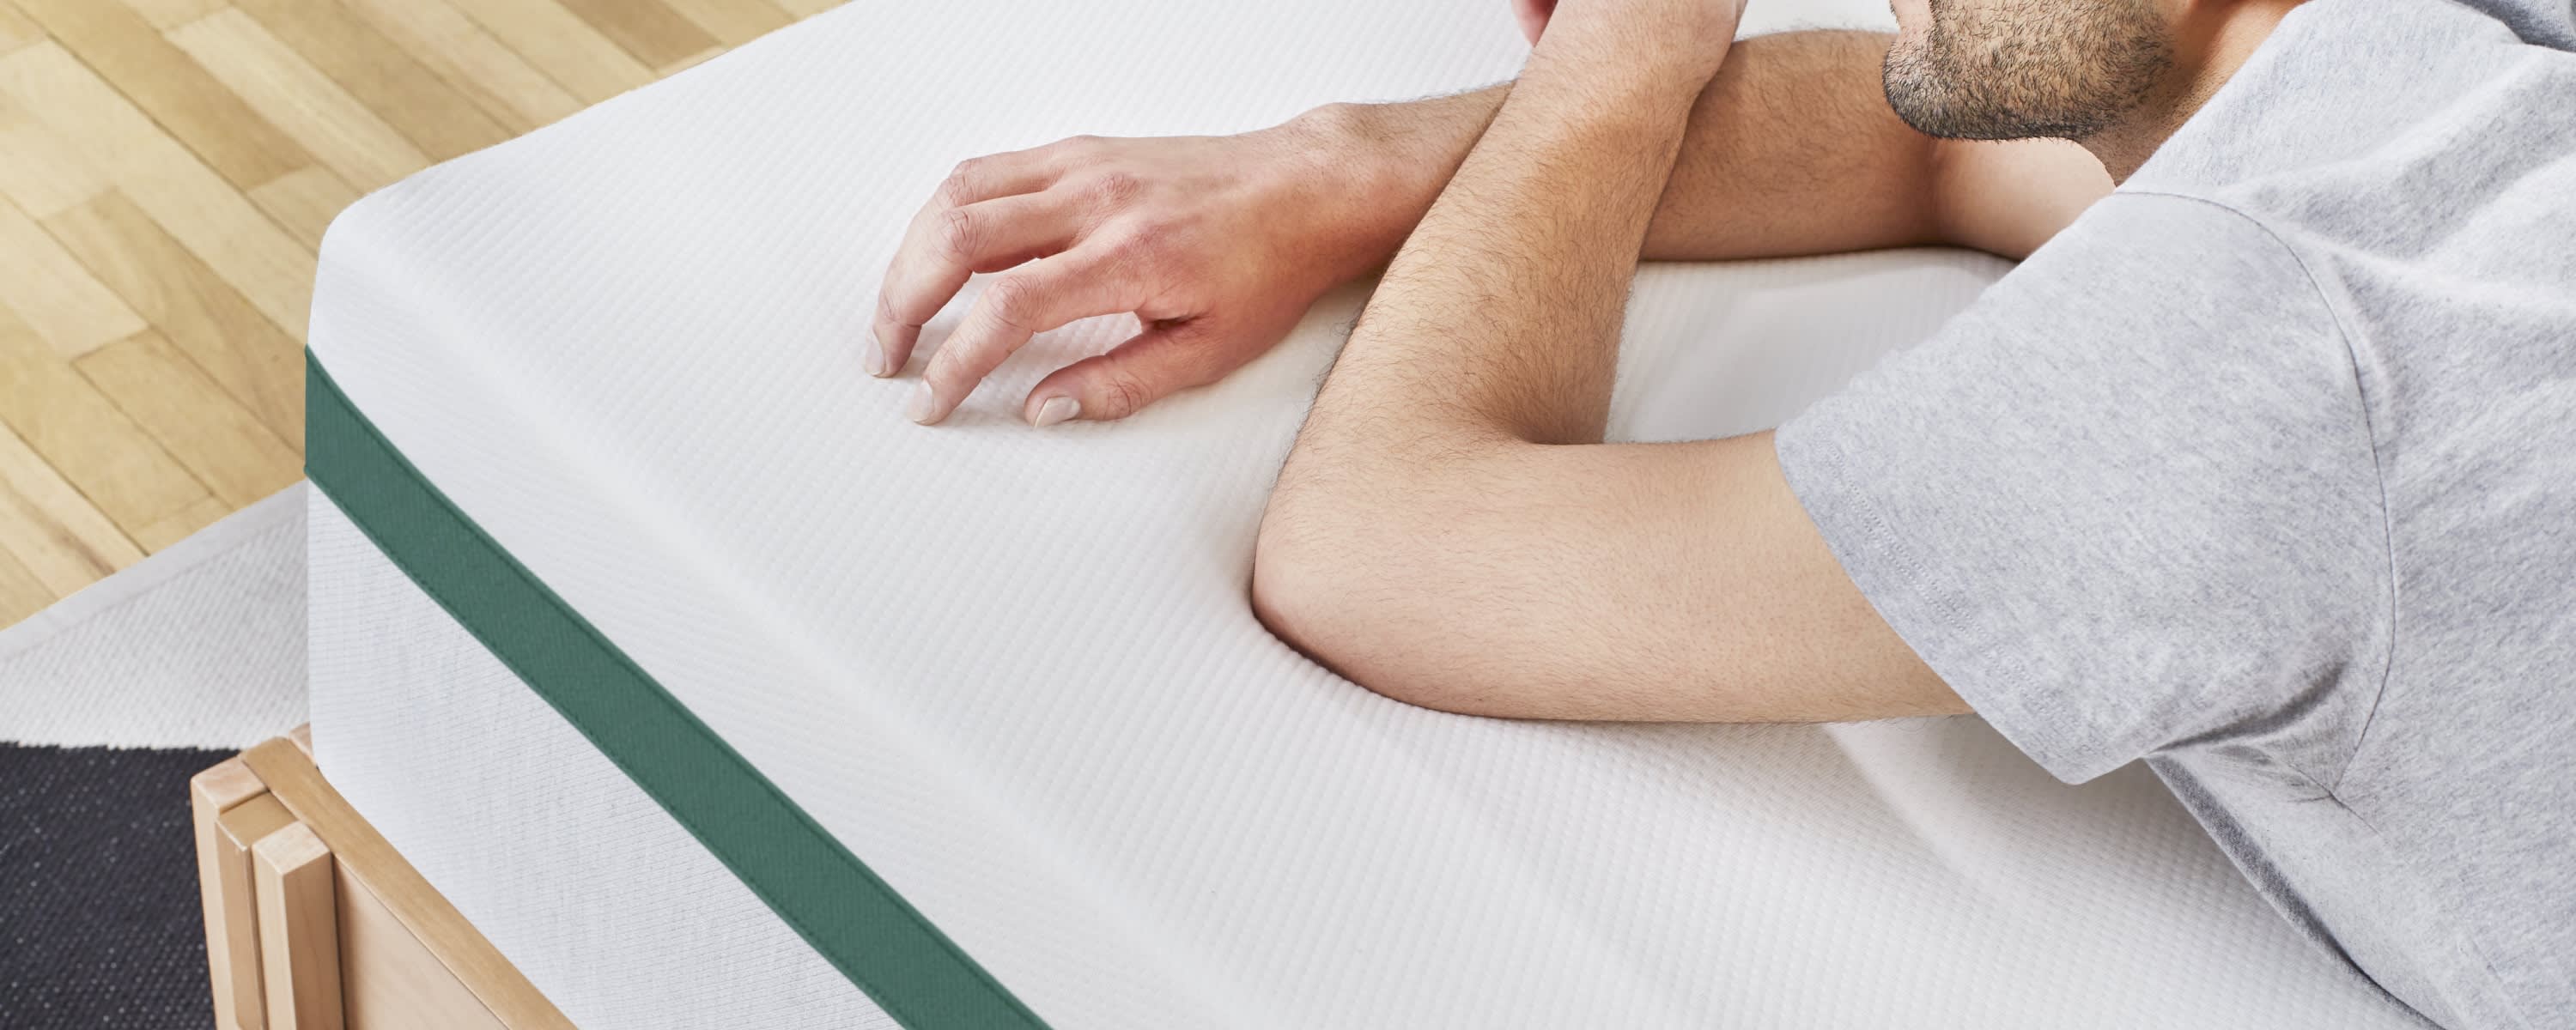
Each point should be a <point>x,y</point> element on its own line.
<point>1216,243</point>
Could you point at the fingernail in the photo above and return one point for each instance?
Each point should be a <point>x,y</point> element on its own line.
<point>918,406</point>
<point>876,356</point>
<point>1057,409</point>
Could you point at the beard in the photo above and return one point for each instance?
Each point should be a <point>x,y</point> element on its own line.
<point>2021,69</point>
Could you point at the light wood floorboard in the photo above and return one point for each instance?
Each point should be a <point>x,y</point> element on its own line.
<point>41,172</point>
<point>304,201</point>
<point>17,30</point>
<point>167,169</point>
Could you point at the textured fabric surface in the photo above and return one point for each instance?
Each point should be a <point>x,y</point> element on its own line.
<point>1014,671</point>
<point>603,900</point>
<point>99,922</point>
<point>200,645</point>
<point>796,867</point>
<point>2265,468</point>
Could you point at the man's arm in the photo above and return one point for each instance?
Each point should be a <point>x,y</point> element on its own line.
<point>1791,150</point>
<point>1450,531</point>
<point>1224,241</point>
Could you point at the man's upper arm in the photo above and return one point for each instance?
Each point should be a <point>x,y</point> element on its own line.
<point>1618,581</point>
<point>2127,502</point>
<point>2009,197</point>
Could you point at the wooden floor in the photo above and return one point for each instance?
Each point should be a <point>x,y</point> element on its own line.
<point>166,169</point>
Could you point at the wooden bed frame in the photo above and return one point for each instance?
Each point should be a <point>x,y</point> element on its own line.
<point>313,922</point>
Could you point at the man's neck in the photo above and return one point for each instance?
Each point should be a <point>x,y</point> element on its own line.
<point>2206,56</point>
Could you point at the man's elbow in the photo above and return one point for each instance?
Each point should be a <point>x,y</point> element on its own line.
<point>1321,596</point>
<point>1300,584</point>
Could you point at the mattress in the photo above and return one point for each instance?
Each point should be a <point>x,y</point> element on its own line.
<point>718,694</point>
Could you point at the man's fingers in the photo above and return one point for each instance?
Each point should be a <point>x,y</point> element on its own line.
<point>1025,302</point>
<point>976,180</point>
<point>898,320</point>
<point>1150,366</point>
<point>943,247</point>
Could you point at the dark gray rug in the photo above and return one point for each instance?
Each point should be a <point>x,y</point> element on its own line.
<point>99,919</point>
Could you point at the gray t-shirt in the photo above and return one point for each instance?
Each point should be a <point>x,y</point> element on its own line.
<point>2265,472</point>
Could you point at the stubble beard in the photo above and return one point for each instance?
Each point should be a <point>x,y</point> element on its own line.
<point>2023,69</point>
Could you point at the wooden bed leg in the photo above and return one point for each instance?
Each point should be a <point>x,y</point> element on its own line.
<point>299,930</point>
<point>232,941</point>
<point>314,922</point>
<point>236,831</point>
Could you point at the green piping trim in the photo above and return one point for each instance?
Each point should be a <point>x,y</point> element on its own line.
<point>845,912</point>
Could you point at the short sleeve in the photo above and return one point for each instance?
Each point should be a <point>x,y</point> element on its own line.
<point>2127,502</point>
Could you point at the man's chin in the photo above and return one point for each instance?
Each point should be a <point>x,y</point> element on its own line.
<point>1911,93</point>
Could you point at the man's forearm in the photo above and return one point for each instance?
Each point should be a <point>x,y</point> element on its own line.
<point>1450,530</point>
<point>1429,516</point>
<point>1792,149</point>
<point>1515,278</point>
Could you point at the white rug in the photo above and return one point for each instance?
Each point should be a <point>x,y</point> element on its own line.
<point>201,645</point>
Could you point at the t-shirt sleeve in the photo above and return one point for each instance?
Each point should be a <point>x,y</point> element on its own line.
<point>2127,502</point>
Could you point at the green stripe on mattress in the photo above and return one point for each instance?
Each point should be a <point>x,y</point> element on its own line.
<point>853,918</point>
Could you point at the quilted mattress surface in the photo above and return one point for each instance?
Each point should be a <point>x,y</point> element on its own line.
<point>1013,671</point>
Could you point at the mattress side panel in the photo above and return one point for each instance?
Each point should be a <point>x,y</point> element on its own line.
<point>606,903</point>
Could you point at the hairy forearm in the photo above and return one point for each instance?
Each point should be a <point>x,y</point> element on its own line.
<point>1514,282</point>
<point>1450,532</point>
<point>1792,149</point>
<point>1434,444</point>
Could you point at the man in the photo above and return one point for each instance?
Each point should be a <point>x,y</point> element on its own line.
<point>2262,468</point>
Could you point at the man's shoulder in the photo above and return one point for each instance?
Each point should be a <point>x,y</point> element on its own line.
<point>2413,157</point>
<point>2145,264</point>
<point>2358,117</point>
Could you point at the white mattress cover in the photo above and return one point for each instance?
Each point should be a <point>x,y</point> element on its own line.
<point>1013,670</point>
